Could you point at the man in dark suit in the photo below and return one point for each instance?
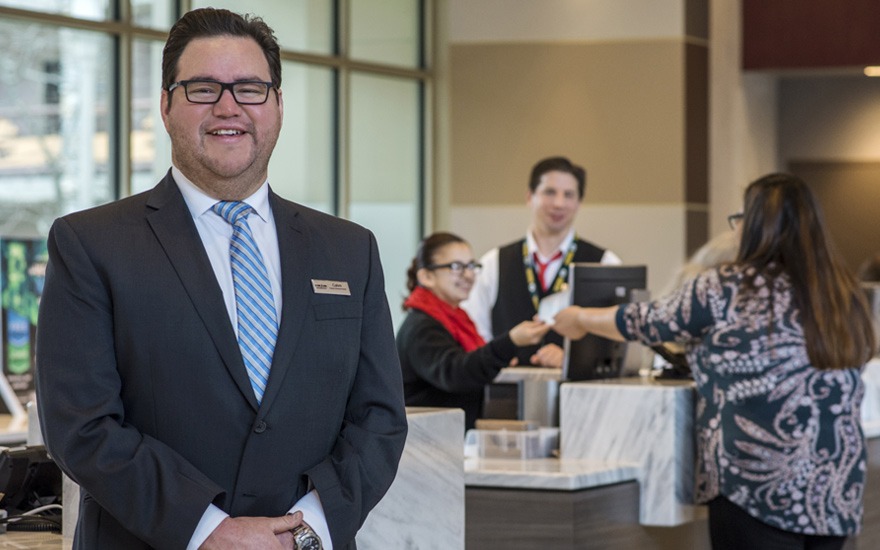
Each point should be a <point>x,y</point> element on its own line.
<point>150,386</point>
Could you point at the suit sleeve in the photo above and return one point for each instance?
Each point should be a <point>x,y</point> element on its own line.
<point>439,360</point>
<point>364,460</point>
<point>148,488</point>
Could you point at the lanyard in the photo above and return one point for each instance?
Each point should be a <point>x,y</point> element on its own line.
<point>532,277</point>
<point>542,267</point>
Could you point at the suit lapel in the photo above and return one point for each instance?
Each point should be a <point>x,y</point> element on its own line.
<point>295,252</point>
<point>173,226</point>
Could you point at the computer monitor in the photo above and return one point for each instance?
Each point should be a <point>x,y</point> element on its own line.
<point>598,285</point>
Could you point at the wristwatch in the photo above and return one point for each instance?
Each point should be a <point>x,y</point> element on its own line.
<point>304,538</point>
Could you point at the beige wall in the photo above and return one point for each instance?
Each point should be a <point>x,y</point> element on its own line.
<point>610,93</point>
<point>829,131</point>
<point>562,20</point>
<point>603,82</point>
<point>616,108</point>
<point>742,115</point>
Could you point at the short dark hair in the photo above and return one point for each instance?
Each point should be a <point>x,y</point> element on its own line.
<point>558,164</point>
<point>208,22</point>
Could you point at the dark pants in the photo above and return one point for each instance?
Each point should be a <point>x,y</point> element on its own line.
<point>732,528</point>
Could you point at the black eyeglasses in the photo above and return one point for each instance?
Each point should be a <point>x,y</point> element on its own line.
<point>249,92</point>
<point>457,267</point>
<point>734,220</point>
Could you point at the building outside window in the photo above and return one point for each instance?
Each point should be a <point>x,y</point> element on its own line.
<point>80,83</point>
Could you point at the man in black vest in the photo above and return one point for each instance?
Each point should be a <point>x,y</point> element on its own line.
<point>515,277</point>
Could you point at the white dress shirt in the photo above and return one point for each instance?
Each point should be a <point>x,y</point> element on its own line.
<point>216,233</point>
<point>484,293</point>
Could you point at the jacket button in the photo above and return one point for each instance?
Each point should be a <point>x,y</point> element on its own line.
<point>260,427</point>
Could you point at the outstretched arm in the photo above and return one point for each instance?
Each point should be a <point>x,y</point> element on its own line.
<point>576,322</point>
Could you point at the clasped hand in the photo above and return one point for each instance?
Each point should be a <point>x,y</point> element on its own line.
<point>256,533</point>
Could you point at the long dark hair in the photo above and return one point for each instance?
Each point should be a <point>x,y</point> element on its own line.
<point>783,232</point>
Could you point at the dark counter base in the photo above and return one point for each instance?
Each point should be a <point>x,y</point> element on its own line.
<point>604,518</point>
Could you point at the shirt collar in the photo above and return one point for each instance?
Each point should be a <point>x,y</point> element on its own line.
<point>532,244</point>
<point>199,203</point>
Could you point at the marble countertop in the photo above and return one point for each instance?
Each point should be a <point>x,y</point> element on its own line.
<point>546,473</point>
<point>637,420</point>
<point>514,374</point>
<point>871,401</point>
<point>424,507</point>
<point>34,541</point>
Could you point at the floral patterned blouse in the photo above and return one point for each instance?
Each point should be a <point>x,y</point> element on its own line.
<point>777,437</point>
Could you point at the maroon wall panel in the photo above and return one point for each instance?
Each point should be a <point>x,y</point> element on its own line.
<point>799,34</point>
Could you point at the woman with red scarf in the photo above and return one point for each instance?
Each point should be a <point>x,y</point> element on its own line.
<point>445,362</point>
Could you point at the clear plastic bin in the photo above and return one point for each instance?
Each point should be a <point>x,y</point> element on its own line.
<point>519,444</point>
<point>509,444</point>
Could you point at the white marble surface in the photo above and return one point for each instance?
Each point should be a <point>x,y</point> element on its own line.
<point>612,430</point>
<point>13,430</point>
<point>546,473</point>
<point>871,402</point>
<point>21,540</point>
<point>513,374</point>
<point>424,508</point>
<point>640,421</point>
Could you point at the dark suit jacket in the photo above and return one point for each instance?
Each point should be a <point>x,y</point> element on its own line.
<point>144,399</point>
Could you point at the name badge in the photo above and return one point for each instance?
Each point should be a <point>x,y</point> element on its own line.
<point>330,287</point>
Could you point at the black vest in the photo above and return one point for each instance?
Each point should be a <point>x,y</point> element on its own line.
<point>514,302</point>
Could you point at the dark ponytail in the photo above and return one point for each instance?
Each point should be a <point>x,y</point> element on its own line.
<point>425,254</point>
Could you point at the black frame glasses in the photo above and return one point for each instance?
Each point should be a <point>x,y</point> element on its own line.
<point>209,92</point>
<point>457,267</point>
<point>734,220</point>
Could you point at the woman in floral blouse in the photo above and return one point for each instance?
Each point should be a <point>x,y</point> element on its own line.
<point>776,341</point>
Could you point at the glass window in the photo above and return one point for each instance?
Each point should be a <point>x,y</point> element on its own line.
<point>58,112</point>
<point>302,165</point>
<point>153,14</point>
<point>386,31</point>
<point>55,124</point>
<point>385,164</point>
<point>150,146</point>
<point>95,10</point>
<point>302,25</point>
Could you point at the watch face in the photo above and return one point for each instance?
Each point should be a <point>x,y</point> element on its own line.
<point>306,539</point>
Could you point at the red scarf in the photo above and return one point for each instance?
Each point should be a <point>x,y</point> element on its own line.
<point>454,319</point>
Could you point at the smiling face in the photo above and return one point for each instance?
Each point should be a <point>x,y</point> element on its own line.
<point>554,203</point>
<point>450,287</point>
<point>223,148</point>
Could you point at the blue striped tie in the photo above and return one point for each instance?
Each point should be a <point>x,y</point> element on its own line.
<point>257,324</point>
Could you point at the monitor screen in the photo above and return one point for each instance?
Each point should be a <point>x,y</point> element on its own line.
<point>597,285</point>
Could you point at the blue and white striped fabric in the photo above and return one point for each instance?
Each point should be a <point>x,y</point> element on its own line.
<point>257,323</point>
